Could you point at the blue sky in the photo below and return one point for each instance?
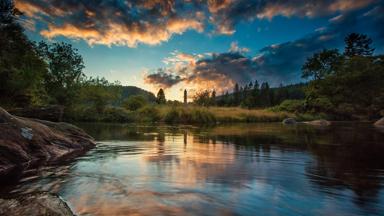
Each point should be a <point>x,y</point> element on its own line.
<point>178,44</point>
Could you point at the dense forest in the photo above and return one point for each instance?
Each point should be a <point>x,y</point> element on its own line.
<point>340,85</point>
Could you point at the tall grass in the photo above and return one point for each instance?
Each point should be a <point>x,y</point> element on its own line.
<point>179,114</point>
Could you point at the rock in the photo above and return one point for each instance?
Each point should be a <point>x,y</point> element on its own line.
<point>35,204</point>
<point>289,121</point>
<point>25,142</point>
<point>51,113</point>
<point>379,123</point>
<point>321,122</point>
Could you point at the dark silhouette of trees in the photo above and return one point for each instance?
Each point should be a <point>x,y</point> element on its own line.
<point>321,64</point>
<point>358,45</point>
<point>185,96</point>
<point>213,98</point>
<point>161,97</point>
<point>21,69</point>
<point>346,85</point>
<point>202,98</point>
<point>236,95</point>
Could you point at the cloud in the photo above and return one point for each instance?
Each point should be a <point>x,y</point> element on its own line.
<point>125,23</point>
<point>128,23</point>
<point>162,78</point>
<point>226,14</point>
<point>218,71</point>
<point>277,63</point>
<point>282,62</point>
<point>236,49</point>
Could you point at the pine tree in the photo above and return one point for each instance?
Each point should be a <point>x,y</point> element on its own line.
<point>185,97</point>
<point>161,97</point>
<point>358,45</point>
<point>236,95</point>
<point>213,98</point>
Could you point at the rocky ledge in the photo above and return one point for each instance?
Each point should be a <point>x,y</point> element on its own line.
<point>35,204</point>
<point>28,142</point>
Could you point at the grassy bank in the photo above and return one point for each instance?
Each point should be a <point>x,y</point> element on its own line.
<point>180,115</point>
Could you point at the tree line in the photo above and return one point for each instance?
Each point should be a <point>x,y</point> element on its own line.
<point>251,95</point>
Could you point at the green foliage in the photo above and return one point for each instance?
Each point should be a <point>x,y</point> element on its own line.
<point>149,114</point>
<point>290,106</point>
<point>322,64</point>
<point>355,85</point>
<point>21,69</point>
<point>64,75</point>
<point>160,99</point>
<point>98,92</point>
<point>135,102</point>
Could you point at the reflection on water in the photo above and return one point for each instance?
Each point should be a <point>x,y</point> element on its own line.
<point>266,169</point>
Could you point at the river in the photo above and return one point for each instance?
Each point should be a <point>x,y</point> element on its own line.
<point>237,169</point>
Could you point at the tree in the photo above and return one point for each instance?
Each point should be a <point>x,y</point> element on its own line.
<point>358,45</point>
<point>265,95</point>
<point>185,96</point>
<point>161,97</point>
<point>236,95</point>
<point>213,98</point>
<point>321,64</point>
<point>21,69</point>
<point>98,92</point>
<point>202,98</point>
<point>64,75</point>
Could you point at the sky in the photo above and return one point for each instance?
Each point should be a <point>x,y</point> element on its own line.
<point>200,44</point>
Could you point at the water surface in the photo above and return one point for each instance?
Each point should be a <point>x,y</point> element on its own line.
<point>241,169</point>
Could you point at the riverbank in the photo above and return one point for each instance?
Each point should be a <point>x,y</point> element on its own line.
<point>26,143</point>
<point>183,115</point>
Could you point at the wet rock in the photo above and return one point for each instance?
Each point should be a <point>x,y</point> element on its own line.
<point>321,122</point>
<point>24,142</point>
<point>35,204</point>
<point>289,121</point>
<point>379,123</point>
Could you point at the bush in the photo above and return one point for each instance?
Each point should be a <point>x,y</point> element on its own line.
<point>149,114</point>
<point>290,106</point>
<point>172,116</point>
<point>117,114</point>
<point>134,103</point>
<point>321,104</point>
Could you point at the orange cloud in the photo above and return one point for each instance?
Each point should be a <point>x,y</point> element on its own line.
<point>120,34</point>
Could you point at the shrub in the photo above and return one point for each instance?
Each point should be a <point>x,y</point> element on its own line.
<point>117,114</point>
<point>135,102</point>
<point>290,106</point>
<point>149,114</point>
<point>172,116</point>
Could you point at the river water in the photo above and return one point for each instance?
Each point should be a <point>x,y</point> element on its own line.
<point>237,169</point>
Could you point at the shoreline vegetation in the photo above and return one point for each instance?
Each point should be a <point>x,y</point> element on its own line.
<point>185,115</point>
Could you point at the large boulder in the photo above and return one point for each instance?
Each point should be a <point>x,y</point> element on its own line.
<point>289,121</point>
<point>35,204</point>
<point>320,122</point>
<point>25,142</point>
<point>379,123</point>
